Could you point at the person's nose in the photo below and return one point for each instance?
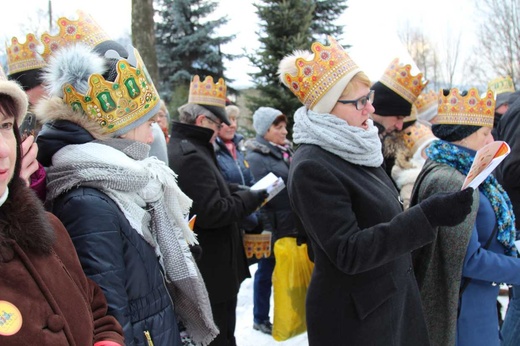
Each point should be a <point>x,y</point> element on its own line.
<point>4,147</point>
<point>399,124</point>
<point>150,137</point>
<point>369,108</point>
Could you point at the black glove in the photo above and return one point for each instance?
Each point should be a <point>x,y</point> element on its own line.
<point>260,195</point>
<point>196,252</point>
<point>448,208</point>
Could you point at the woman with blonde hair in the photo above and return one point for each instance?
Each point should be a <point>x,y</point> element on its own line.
<point>362,289</point>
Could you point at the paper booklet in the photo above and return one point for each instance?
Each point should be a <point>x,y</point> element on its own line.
<point>485,161</point>
<point>271,183</point>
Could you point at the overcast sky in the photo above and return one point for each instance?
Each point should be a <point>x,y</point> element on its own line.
<point>371,26</point>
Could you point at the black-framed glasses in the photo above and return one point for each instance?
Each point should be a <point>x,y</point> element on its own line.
<point>361,102</point>
<point>219,125</point>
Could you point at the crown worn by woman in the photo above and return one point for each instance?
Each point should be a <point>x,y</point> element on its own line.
<point>457,273</point>
<point>123,209</point>
<point>362,290</point>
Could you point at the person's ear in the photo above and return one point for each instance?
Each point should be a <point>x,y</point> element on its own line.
<point>198,119</point>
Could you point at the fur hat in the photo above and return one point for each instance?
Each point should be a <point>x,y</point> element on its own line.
<point>114,93</point>
<point>263,118</point>
<point>15,91</point>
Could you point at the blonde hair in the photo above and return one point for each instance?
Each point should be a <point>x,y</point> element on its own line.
<point>359,78</point>
<point>232,111</point>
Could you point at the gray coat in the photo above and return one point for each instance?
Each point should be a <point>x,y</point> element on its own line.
<point>363,290</point>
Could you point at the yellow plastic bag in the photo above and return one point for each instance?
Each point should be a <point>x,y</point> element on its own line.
<point>291,277</point>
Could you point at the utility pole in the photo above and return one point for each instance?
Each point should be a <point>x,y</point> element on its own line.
<point>50,15</point>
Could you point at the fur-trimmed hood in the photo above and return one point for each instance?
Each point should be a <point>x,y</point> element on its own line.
<point>24,220</point>
<point>52,109</point>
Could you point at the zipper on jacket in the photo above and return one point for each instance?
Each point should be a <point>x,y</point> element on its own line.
<point>148,338</point>
<point>240,172</point>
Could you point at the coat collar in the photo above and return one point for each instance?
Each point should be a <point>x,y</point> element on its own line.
<point>263,146</point>
<point>24,220</point>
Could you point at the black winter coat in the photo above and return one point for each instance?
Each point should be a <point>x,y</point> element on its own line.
<point>223,263</point>
<point>277,215</point>
<point>112,253</point>
<point>508,172</point>
<point>363,290</point>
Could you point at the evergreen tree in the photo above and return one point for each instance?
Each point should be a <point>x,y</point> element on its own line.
<point>287,25</point>
<point>187,45</point>
<point>325,13</point>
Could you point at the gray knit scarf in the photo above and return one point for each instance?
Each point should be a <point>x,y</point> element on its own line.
<point>146,191</point>
<point>335,135</point>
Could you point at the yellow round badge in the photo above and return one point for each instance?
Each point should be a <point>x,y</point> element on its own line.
<point>10,319</point>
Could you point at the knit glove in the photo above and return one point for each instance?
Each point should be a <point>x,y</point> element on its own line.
<point>448,208</point>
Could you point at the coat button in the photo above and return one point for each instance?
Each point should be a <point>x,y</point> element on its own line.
<point>55,323</point>
<point>409,270</point>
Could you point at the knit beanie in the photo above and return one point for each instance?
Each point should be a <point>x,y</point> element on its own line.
<point>263,118</point>
<point>389,103</point>
<point>453,133</point>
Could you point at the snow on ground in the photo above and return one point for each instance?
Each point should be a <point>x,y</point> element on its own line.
<point>247,336</point>
<point>244,333</point>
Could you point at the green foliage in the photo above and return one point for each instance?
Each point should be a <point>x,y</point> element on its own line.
<point>285,26</point>
<point>186,43</point>
<point>325,13</point>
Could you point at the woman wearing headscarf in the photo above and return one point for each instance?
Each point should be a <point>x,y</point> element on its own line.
<point>362,290</point>
<point>122,208</point>
<point>459,271</point>
<point>45,298</point>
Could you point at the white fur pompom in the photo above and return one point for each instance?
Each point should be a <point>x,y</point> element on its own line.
<point>288,63</point>
<point>72,65</point>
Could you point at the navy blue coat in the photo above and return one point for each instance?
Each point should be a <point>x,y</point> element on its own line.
<point>112,253</point>
<point>237,172</point>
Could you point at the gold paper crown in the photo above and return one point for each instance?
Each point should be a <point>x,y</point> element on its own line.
<point>24,56</point>
<point>425,101</point>
<point>501,85</point>
<point>400,79</point>
<point>257,245</point>
<point>315,77</point>
<point>415,135</point>
<point>470,109</point>
<point>115,105</point>
<point>207,92</point>
<point>84,29</point>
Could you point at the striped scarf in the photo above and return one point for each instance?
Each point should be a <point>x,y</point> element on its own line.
<point>146,191</point>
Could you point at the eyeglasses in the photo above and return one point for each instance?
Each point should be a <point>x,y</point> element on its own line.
<point>219,125</point>
<point>361,102</point>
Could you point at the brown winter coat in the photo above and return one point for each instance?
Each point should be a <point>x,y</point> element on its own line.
<point>41,275</point>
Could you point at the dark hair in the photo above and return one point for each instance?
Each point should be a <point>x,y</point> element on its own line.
<point>279,119</point>
<point>8,108</point>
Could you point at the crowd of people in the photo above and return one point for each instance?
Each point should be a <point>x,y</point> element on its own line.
<point>122,226</point>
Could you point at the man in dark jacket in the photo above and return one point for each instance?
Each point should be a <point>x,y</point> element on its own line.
<point>217,205</point>
<point>507,173</point>
<point>394,94</point>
